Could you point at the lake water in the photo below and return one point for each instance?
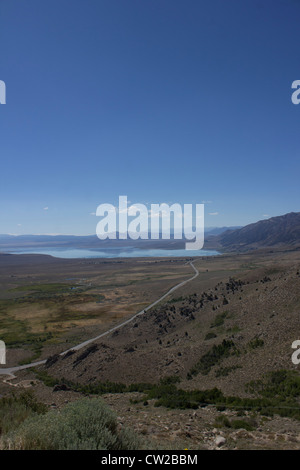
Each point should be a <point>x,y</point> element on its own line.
<point>124,252</point>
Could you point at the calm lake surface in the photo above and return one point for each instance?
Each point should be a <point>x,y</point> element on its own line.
<point>124,252</point>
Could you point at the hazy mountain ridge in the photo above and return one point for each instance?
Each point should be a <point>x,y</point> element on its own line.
<point>8,242</point>
<point>280,231</point>
<point>277,231</point>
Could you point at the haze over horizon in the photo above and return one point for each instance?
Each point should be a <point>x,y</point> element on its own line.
<point>163,101</point>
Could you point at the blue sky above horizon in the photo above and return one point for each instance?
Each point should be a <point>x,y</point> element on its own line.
<point>160,100</point>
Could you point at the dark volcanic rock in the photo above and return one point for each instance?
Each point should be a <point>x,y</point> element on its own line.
<point>51,360</point>
<point>90,350</point>
<point>61,388</point>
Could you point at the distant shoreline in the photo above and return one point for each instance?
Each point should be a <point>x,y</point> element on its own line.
<point>109,253</point>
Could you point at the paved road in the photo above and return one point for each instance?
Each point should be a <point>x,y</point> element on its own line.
<point>11,370</point>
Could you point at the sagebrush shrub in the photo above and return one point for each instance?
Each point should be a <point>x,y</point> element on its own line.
<point>86,424</point>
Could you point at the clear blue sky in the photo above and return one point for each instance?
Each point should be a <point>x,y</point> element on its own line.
<point>160,100</point>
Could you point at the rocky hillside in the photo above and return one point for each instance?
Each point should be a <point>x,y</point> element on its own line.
<point>222,331</point>
<point>282,231</point>
<point>207,368</point>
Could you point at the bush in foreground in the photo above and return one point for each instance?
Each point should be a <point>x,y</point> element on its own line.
<point>86,424</point>
<point>16,408</point>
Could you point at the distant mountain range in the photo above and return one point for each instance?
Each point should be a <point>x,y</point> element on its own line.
<point>219,230</point>
<point>281,231</point>
<point>19,242</point>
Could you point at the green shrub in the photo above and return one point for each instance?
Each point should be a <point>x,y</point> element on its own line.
<point>15,409</point>
<point>241,424</point>
<point>225,371</point>
<point>282,384</point>
<point>213,357</point>
<point>170,379</point>
<point>277,393</point>
<point>256,343</point>
<point>223,421</point>
<point>210,336</point>
<point>86,424</point>
<point>219,320</point>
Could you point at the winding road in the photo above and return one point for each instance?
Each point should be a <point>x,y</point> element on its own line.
<point>10,371</point>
